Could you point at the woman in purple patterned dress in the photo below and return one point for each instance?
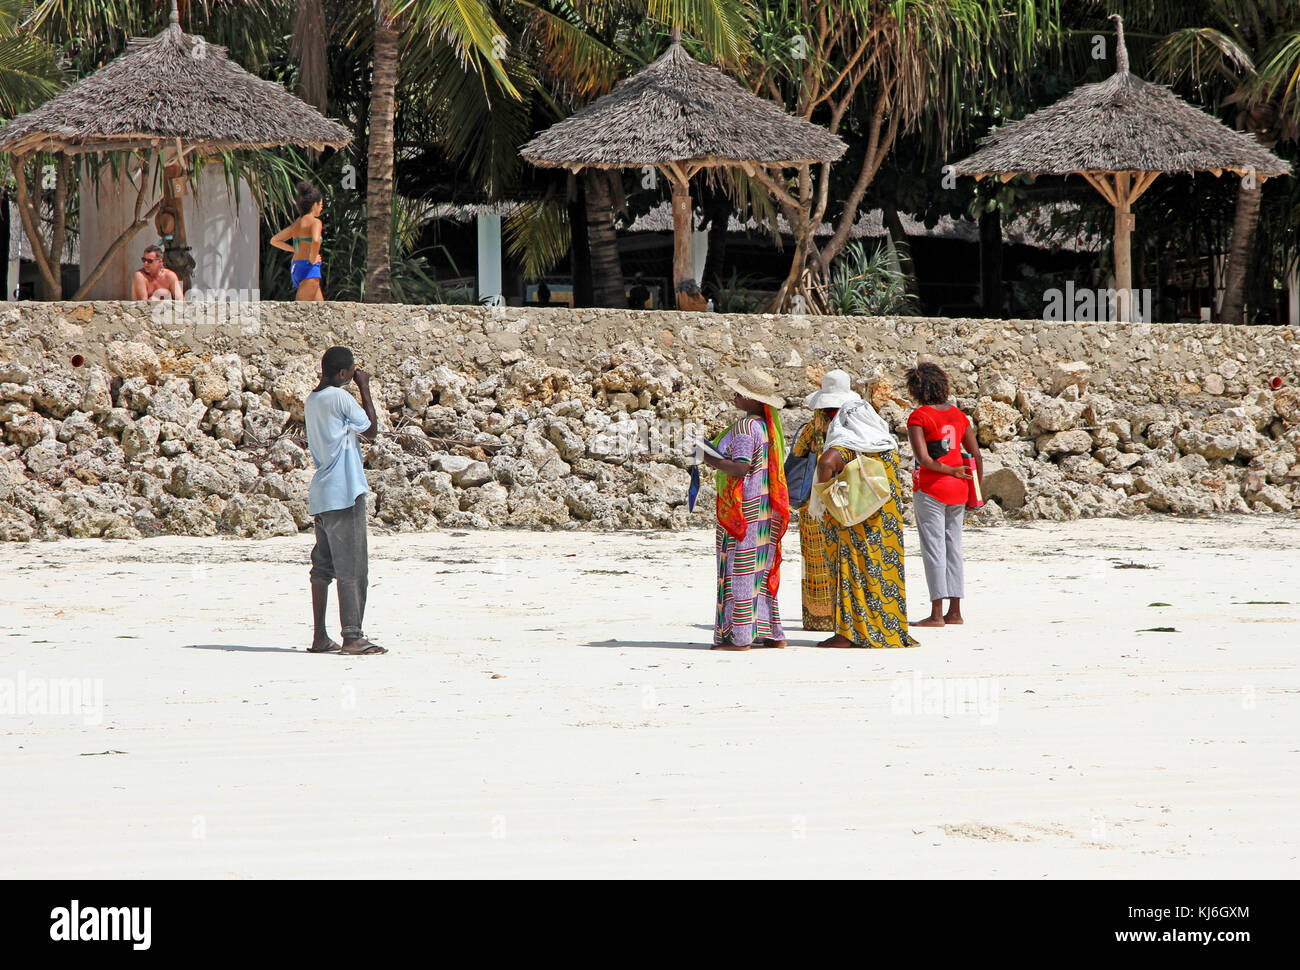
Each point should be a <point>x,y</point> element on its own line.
<point>751,519</point>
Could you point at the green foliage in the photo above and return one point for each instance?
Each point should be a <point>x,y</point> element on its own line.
<point>737,295</point>
<point>29,73</point>
<point>537,233</point>
<point>273,176</point>
<point>89,33</point>
<point>343,255</point>
<point>721,25</point>
<point>867,284</point>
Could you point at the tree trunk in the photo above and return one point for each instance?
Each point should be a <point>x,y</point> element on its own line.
<point>991,264</point>
<point>379,162</point>
<point>30,213</point>
<point>902,245</point>
<point>1240,252</point>
<point>310,37</point>
<point>606,269</point>
<point>579,247</point>
<point>719,217</point>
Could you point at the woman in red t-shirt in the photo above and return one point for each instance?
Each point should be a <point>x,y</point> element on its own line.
<point>941,485</point>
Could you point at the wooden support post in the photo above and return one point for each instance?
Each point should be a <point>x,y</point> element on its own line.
<point>682,267</point>
<point>1123,255</point>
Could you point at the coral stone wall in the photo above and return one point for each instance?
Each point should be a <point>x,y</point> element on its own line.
<point>124,420</point>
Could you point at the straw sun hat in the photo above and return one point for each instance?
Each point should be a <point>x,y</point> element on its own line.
<point>835,392</point>
<point>757,385</point>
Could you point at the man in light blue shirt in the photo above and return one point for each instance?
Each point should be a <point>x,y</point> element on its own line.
<point>337,499</point>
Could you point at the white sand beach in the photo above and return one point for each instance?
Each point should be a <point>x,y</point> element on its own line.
<point>549,709</point>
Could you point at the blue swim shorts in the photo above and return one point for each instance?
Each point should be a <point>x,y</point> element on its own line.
<point>302,269</point>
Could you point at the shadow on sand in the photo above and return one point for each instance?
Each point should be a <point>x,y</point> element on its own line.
<point>243,647</point>
<point>665,645</point>
<point>662,644</point>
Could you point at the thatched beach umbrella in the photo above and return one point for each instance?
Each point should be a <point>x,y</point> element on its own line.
<point>681,116</point>
<point>176,93</point>
<point>1119,135</point>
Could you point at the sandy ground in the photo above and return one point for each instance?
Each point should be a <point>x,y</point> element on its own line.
<point>549,709</point>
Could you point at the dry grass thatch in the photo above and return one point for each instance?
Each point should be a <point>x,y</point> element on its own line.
<point>679,110</point>
<point>1032,228</point>
<point>1122,124</point>
<point>166,88</point>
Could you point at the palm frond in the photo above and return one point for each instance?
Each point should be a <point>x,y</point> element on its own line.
<point>1280,78</point>
<point>1194,52</point>
<point>471,30</point>
<point>723,25</point>
<point>572,53</point>
<point>538,234</point>
<point>479,124</point>
<point>29,74</point>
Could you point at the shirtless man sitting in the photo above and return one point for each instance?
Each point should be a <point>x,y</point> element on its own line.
<point>154,281</point>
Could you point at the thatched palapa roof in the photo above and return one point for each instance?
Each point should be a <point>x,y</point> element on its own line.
<point>679,110</point>
<point>1032,228</point>
<point>169,88</point>
<point>1121,124</point>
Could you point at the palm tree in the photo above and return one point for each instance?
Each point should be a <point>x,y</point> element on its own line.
<point>1247,53</point>
<point>470,31</point>
<point>309,44</point>
<point>379,155</point>
<point>29,73</point>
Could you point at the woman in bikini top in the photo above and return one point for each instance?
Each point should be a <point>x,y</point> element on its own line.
<point>303,239</point>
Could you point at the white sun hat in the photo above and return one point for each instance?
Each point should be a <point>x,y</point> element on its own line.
<point>835,392</point>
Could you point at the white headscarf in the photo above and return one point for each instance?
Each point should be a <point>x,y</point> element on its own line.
<point>858,427</point>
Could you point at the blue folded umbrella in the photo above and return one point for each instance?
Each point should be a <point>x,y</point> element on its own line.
<point>695,488</point>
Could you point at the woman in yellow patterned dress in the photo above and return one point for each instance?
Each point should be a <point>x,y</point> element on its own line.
<point>818,613</point>
<point>868,588</point>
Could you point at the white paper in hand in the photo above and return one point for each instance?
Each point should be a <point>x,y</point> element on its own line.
<point>704,447</point>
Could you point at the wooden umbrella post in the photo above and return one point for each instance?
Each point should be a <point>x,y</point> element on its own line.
<point>1123,252</point>
<point>1121,191</point>
<point>682,267</point>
